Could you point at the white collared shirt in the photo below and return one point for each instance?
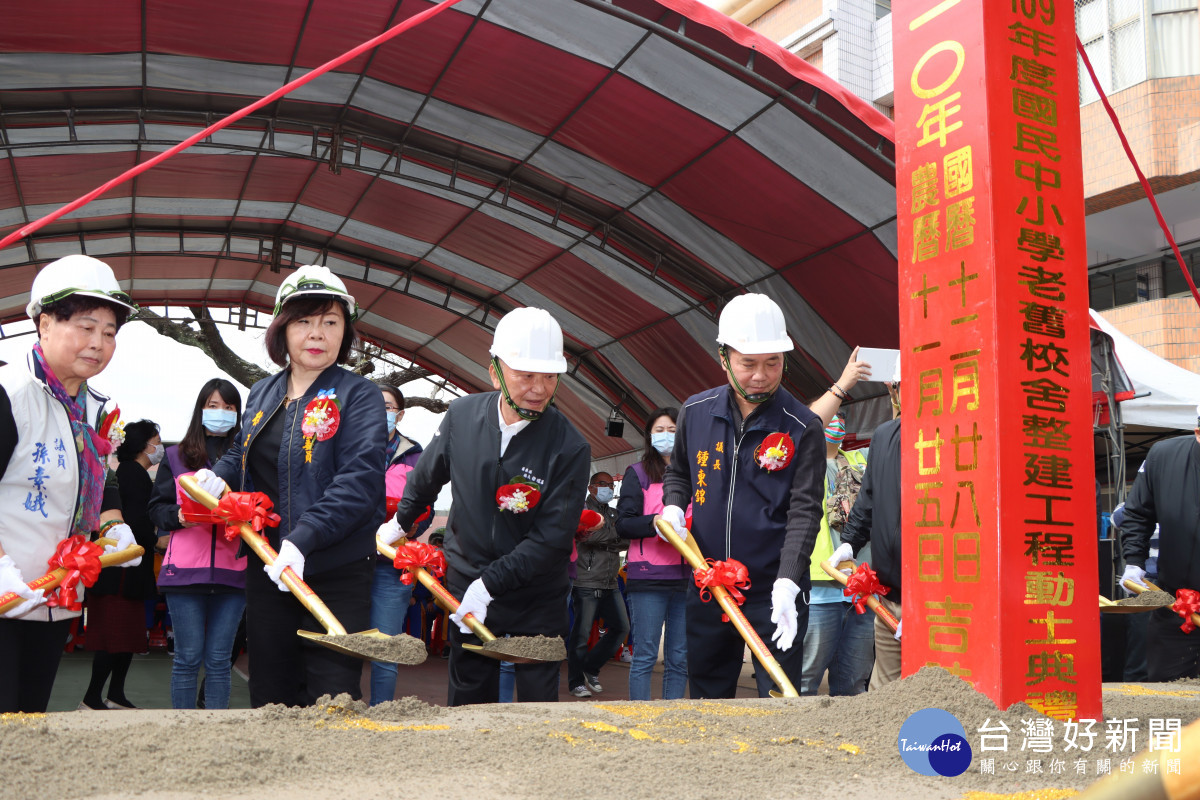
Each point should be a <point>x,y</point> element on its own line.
<point>507,432</point>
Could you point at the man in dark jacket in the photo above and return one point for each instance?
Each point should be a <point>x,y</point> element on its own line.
<point>1166,492</point>
<point>751,460</point>
<point>595,594</point>
<point>875,518</point>
<point>518,469</point>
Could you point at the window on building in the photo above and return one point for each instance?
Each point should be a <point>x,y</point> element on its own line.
<point>883,8</point>
<point>1175,38</point>
<point>1112,36</point>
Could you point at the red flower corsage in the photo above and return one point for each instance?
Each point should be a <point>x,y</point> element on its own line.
<point>588,521</point>
<point>518,496</point>
<point>775,452</point>
<point>322,416</point>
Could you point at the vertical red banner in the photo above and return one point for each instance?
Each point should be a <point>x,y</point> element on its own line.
<point>999,512</point>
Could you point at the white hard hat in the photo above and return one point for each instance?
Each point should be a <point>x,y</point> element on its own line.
<point>529,340</point>
<point>753,324</point>
<point>313,279</point>
<point>76,274</point>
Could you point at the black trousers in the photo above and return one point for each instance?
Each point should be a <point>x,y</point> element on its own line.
<point>292,671</point>
<point>476,679</point>
<point>1170,653</point>
<point>715,648</point>
<point>29,656</point>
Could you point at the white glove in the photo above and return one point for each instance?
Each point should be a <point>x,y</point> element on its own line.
<point>783,612</point>
<point>1133,575</point>
<point>844,552</point>
<point>289,556</point>
<point>123,535</point>
<point>475,601</point>
<point>899,626</point>
<point>390,532</point>
<point>11,581</point>
<point>210,482</point>
<point>673,516</point>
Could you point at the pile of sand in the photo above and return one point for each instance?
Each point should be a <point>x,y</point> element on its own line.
<point>801,747</point>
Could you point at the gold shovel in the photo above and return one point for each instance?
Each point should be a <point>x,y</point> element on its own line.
<point>492,647</point>
<point>691,553</point>
<point>53,578</point>
<point>335,636</point>
<point>871,600</point>
<point>1150,587</point>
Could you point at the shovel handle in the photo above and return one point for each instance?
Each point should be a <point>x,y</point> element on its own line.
<point>442,597</point>
<point>872,601</point>
<point>51,580</point>
<point>1150,587</point>
<point>262,548</point>
<point>690,551</point>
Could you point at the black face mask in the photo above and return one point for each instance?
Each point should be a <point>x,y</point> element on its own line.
<point>760,397</point>
<point>524,413</point>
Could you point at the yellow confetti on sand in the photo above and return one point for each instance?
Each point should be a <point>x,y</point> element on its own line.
<point>1032,794</point>
<point>741,747</point>
<point>709,707</point>
<point>363,724</point>
<point>18,718</point>
<point>1136,690</point>
<point>850,748</point>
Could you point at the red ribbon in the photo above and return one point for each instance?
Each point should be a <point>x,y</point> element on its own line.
<point>1187,603</point>
<point>81,559</point>
<point>589,521</point>
<point>252,508</point>
<point>194,512</point>
<point>731,574</point>
<point>419,554</point>
<point>862,584</point>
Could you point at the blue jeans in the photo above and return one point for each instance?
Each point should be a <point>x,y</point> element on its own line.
<point>648,612</point>
<point>389,607</point>
<point>841,640</point>
<point>590,605</point>
<point>205,626</point>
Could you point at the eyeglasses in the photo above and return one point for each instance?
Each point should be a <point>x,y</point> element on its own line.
<point>609,484</point>
<point>63,294</point>
<point>391,408</point>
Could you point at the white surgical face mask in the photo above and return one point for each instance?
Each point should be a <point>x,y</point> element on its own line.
<point>218,421</point>
<point>392,415</point>
<point>604,494</point>
<point>663,441</point>
<point>156,455</point>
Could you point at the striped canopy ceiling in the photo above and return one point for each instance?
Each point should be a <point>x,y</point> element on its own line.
<point>627,165</point>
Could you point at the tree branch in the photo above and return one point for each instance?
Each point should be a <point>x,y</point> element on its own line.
<point>208,340</point>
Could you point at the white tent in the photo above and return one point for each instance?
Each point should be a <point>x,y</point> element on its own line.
<point>1165,395</point>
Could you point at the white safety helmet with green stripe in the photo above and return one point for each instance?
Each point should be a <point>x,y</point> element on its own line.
<point>314,279</point>
<point>76,274</point>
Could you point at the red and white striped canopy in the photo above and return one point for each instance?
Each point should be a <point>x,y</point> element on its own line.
<point>627,165</point>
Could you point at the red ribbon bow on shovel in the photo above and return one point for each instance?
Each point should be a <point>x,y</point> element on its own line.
<point>81,559</point>
<point>419,554</point>
<point>731,574</point>
<point>252,508</point>
<point>1187,604</point>
<point>589,521</point>
<point>861,585</point>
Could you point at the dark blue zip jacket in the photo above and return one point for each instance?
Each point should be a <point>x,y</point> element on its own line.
<point>767,520</point>
<point>330,507</point>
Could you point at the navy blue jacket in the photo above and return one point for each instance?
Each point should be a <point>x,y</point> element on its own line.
<point>767,520</point>
<point>330,507</point>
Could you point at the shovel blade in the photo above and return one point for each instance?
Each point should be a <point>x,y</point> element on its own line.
<point>363,645</point>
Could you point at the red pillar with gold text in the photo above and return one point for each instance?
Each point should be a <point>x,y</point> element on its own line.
<point>998,511</point>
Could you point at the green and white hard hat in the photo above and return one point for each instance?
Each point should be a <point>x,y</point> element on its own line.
<point>76,274</point>
<point>314,279</point>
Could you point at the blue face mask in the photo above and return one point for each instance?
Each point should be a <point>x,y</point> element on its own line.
<point>604,494</point>
<point>663,442</point>
<point>391,415</point>
<point>218,421</point>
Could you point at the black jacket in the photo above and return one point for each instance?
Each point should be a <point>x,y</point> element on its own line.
<point>137,582</point>
<point>600,552</point>
<point>522,558</point>
<point>875,517</point>
<point>330,505</point>
<point>1167,491</point>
